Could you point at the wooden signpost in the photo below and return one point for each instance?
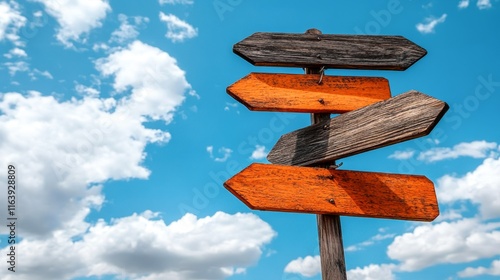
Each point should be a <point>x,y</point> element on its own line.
<point>308,93</point>
<point>369,119</point>
<point>335,192</point>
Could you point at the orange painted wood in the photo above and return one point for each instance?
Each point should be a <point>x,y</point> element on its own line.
<point>339,192</point>
<point>407,116</point>
<point>302,93</point>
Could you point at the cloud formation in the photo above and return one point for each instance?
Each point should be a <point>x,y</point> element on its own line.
<point>479,187</point>
<point>463,4</point>
<point>484,4</point>
<point>311,266</point>
<point>225,153</point>
<point>430,23</point>
<point>259,153</point>
<point>11,21</point>
<point>173,2</point>
<point>402,155</point>
<point>493,270</point>
<point>465,239</point>
<point>157,84</point>
<point>73,146</point>
<point>475,149</point>
<point>372,272</point>
<point>177,29</point>
<point>142,246</point>
<point>308,266</point>
<point>460,241</point>
<point>127,31</point>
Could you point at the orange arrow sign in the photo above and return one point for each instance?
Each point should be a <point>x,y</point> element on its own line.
<point>339,192</point>
<point>304,93</point>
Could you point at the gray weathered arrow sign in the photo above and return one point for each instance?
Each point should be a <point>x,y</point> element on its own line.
<point>331,51</point>
<point>404,117</point>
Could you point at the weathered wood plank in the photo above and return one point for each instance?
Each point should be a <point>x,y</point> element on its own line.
<point>330,227</point>
<point>404,117</point>
<point>302,93</point>
<point>331,51</point>
<point>327,191</point>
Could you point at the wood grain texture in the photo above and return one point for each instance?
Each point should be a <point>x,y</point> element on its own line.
<point>331,51</point>
<point>404,117</point>
<point>327,191</point>
<point>302,93</point>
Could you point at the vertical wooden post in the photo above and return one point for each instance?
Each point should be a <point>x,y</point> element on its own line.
<point>329,229</point>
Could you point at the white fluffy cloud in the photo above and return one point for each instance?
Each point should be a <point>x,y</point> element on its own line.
<point>144,247</point>
<point>67,146</point>
<point>177,29</point>
<point>494,270</point>
<point>65,150</point>
<point>446,242</point>
<point>373,240</point>
<point>15,52</point>
<point>90,91</point>
<point>462,240</point>
<point>259,153</point>
<point>475,149</point>
<point>127,31</point>
<point>481,187</point>
<point>35,73</point>
<point>18,66</point>
<point>483,4</point>
<point>402,155</point>
<point>311,266</point>
<point>230,105</point>
<point>308,266</point>
<point>76,17</point>
<point>430,24</point>
<point>463,4</point>
<point>372,272</point>
<point>158,85</point>
<point>11,21</point>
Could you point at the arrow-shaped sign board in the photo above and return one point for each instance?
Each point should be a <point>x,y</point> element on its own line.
<point>404,117</point>
<point>331,51</point>
<point>305,93</point>
<point>339,192</point>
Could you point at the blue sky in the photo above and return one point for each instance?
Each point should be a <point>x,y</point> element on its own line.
<point>116,118</point>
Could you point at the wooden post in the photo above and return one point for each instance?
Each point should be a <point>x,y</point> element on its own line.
<point>329,228</point>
